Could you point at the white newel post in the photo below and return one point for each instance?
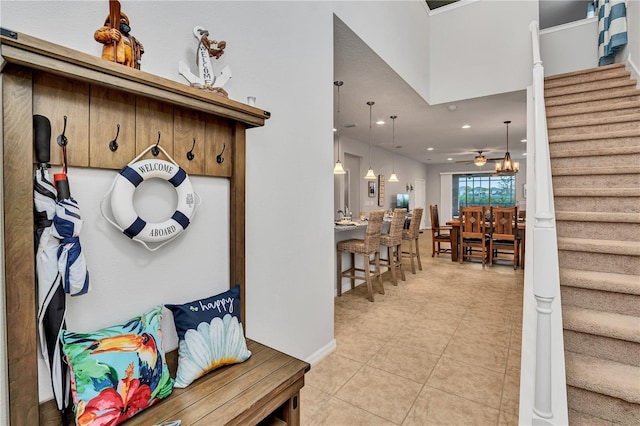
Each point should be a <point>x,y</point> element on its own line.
<point>545,279</point>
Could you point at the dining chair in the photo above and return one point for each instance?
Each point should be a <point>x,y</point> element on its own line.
<point>393,242</point>
<point>437,235</point>
<point>504,234</point>
<point>366,248</point>
<point>474,241</point>
<point>411,235</point>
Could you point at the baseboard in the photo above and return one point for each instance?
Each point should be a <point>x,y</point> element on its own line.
<point>322,353</point>
<point>635,74</point>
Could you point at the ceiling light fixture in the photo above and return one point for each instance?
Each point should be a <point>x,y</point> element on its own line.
<point>506,166</point>
<point>466,126</point>
<point>380,122</point>
<point>393,177</point>
<point>370,174</point>
<point>338,169</point>
<point>480,160</point>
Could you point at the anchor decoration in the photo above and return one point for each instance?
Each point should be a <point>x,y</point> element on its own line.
<point>207,78</point>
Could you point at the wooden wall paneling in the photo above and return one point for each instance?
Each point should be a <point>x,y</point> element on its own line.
<point>187,125</point>
<point>237,208</point>
<point>107,109</point>
<point>152,117</point>
<point>218,136</point>
<point>19,283</point>
<point>54,97</point>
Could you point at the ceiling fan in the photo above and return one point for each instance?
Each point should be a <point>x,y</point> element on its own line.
<point>479,160</point>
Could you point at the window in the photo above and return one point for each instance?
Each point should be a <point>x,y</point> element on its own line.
<point>482,190</point>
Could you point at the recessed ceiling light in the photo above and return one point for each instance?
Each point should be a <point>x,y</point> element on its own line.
<point>449,159</point>
<point>335,130</point>
<point>430,148</point>
<point>466,126</point>
<point>379,122</point>
<point>525,154</point>
<point>523,140</point>
<point>452,108</point>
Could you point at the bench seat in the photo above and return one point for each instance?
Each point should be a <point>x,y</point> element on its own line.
<point>264,387</point>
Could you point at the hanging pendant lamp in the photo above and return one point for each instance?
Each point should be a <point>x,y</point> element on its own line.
<point>507,166</point>
<point>370,174</point>
<point>393,177</point>
<point>338,169</point>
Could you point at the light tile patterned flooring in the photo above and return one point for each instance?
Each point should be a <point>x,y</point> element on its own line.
<point>441,348</point>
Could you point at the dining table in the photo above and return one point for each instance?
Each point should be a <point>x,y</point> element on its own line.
<point>455,238</point>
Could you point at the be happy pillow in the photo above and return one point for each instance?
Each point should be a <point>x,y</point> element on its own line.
<point>118,371</point>
<point>210,335</point>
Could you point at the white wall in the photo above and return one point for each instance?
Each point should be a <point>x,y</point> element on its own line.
<point>282,53</point>
<point>569,47</point>
<point>461,65</point>
<point>633,26</point>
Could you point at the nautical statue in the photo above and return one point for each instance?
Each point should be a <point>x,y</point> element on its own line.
<point>207,78</point>
<point>119,45</point>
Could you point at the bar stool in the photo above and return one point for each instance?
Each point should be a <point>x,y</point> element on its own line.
<point>411,235</point>
<point>393,242</point>
<point>365,248</point>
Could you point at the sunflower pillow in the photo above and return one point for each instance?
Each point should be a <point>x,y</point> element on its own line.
<point>118,371</point>
<point>210,335</point>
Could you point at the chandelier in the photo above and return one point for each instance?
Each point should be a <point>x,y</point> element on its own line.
<point>507,166</point>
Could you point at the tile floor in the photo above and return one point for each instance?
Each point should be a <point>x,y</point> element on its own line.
<point>441,348</point>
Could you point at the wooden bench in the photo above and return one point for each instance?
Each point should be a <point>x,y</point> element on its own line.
<point>265,388</point>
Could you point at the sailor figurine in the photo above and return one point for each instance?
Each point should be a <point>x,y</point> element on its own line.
<point>118,43</point>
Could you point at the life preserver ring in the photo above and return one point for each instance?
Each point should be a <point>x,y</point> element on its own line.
<point>124,186</point>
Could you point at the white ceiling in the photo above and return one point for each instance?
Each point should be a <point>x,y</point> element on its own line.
<point>419,126</point>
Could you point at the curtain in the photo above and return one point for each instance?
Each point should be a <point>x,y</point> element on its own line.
<point>612,29</point>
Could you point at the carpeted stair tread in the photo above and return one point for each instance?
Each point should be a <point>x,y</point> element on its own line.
<point>595,135</point>
<point>587,87</point>
<point>595,152</point>
<point>628,91</point>
<point>595,121</point>
<point>603,376</point>
<point>591,109</point>
<point>622,248</point>
<point>589,74</point>
<point>611,217</point>
<point>605,281</point>
<point>596,192</point>
<point>601,323</point>
<point>582,171</point>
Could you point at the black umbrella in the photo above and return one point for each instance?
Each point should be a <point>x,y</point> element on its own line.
<point>51,296</point>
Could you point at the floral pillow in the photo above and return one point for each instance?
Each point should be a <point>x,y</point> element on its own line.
<point>210,335</point>
<point>118,371</point>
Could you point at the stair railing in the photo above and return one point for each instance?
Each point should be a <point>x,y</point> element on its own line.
<point>544,402</point>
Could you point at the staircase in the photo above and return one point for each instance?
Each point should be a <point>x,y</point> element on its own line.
<point>593,119</point>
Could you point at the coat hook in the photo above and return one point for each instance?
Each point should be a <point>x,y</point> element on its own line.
<point>220,158</point>
<point>113,145</point>
<point>190,155</point>
<point>62,139</point>
<point>155,150</point>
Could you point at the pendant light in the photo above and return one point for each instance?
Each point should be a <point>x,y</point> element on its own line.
<point>507,166</point>
<point>338,169</point>
<point>370,174</point>
<point>393,177</point>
